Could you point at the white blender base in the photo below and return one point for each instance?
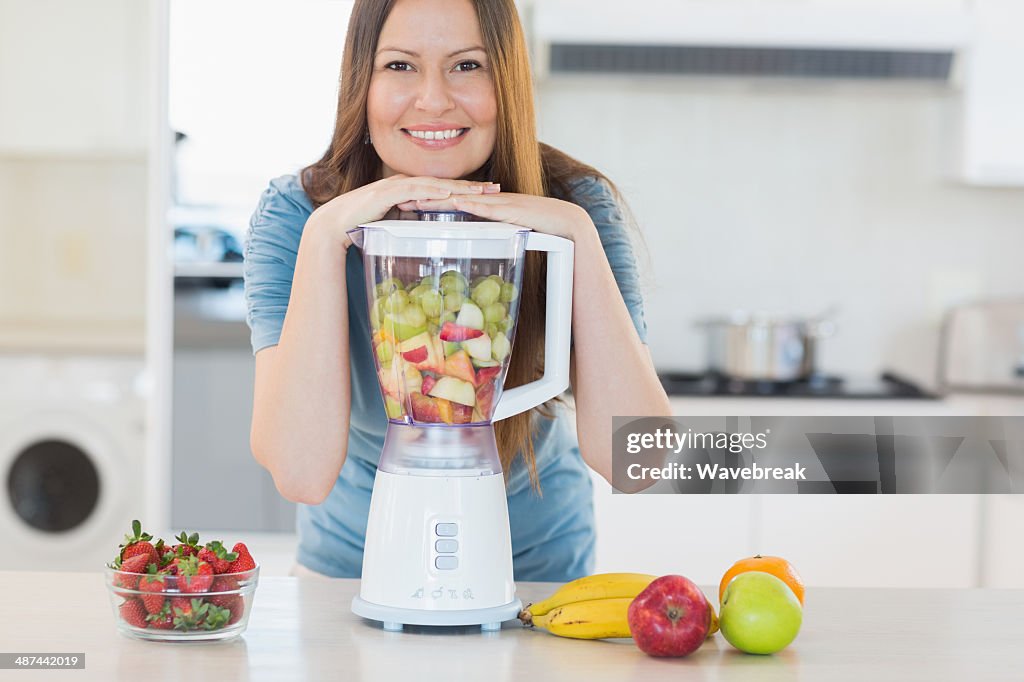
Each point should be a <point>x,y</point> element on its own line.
<point>394,618</point>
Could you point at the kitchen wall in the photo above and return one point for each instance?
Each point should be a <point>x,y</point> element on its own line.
<point>792,197</point>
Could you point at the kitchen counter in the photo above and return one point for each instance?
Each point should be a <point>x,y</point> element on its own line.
<point>303,629</point>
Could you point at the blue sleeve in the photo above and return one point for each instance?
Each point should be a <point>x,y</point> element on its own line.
<point>597,198</point>
<point>271,247</point>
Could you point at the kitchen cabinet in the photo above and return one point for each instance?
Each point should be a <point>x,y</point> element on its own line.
<point>74,78</point>
<point>993,152</point>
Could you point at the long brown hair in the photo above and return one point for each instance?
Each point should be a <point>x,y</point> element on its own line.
<point>519,163</point>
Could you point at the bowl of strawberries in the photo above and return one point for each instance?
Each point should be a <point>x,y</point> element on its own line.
<point>181,591</point>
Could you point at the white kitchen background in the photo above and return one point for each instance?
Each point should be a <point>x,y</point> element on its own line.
<point>770,194</point>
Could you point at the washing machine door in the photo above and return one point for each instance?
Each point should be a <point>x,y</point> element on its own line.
<point>61,472</point>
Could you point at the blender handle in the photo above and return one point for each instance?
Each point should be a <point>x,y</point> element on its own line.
<point>557,330</point>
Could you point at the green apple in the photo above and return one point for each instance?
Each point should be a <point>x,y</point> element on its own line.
<point>470,316</point>
<point>759,614</point>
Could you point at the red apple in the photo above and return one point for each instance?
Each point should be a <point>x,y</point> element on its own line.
<point>456,332</point>
<point>671,617</point>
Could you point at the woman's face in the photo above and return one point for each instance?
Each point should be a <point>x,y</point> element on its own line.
<point>431,108</point>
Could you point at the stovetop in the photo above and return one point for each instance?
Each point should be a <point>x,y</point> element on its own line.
<point>887,386</point>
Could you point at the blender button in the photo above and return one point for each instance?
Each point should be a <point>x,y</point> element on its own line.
<point>446,563</point>
<point>447,546</point>
<point>447,530</point>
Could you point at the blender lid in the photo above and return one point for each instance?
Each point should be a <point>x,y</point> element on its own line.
<point>416,239</point>
<point>430,229</point>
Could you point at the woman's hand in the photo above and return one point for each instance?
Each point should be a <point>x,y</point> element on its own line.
<point>543,214</point>
<point>373,201</point>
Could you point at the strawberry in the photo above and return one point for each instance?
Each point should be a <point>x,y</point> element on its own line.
<point>244,562</point>
<point>162,620</point>
<point>133,612</point>
<point>126,577</point>
<point>217,617</point>
<point>137,543</point>
<point>153,584</point>
<point>194,575</point>
<point>224,583</point>
<point>188,613</point>
<point>188,545</point>
<point>217,556</point>
<point>231,602</point>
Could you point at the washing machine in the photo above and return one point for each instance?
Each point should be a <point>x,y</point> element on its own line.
<point>72,458</point>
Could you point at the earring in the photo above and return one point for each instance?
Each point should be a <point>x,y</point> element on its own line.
<point>366,137</point>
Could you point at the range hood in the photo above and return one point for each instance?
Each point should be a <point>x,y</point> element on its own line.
<point>898,39</point>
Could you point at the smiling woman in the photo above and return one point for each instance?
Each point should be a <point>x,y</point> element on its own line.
<point>435,111</point>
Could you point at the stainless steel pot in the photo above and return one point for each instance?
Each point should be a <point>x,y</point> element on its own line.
<point>762,347</point>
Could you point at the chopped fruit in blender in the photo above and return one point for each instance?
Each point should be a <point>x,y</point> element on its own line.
<point>494,313</point>
<point>392,407</point>
<point>461,414</point>
<point>486,374</point>
<point>453,389</point>
<point>444,408</point>
<point>451,348</point>
<point>479,348</point>
<point>424,409</point>
<point>454,332</point>
<point>486,293</point>
<point>460,367</point>
<point>485,397</point>
<point>423,352</point>
<point>508,292</point>
<point>500,347</point>
<point>470,316</point>
<point>456,335</point>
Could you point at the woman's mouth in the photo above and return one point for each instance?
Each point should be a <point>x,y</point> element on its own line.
<point>436,139</point>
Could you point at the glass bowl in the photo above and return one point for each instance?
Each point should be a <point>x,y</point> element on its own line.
<point>164,611</point>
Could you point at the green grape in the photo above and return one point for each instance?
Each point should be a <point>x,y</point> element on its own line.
<point>397,301</point>
<point>500,347</point>
<point>506,324</point>
<point>447,317</point>
<point>486,293</point>
<point>413,316</point>
<point>385,351</point>
<point>491,329</point>
<point>496,279</point>
<point>416,293</point>
<point>431,303</point>
<point>495,312</point>
<point>453,281</point>
<point>388,286</point>
<point>453,301</point>
<point>508,292</point>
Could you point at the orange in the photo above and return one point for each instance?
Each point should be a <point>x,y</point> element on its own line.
<point>777,566</point>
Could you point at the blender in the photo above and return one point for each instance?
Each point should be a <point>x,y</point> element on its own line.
<point>443,297</point>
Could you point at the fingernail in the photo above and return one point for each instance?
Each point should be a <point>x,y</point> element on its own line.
<point>476,188</point>
<point>493,188</point>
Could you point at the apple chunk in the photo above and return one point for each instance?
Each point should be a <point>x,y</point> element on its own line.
<point>478,348</point>
<point>455,390</point>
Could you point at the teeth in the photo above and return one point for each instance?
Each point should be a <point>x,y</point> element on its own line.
<point>436,134</point>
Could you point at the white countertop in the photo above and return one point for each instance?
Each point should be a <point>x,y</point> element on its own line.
<point>303,629</point>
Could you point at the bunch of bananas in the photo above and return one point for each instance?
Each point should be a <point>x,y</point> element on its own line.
<point>594,607</point>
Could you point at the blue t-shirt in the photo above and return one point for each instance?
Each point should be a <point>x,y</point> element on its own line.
<point>552,534</point>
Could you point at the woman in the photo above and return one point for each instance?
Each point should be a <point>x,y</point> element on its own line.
<point>435,112</point>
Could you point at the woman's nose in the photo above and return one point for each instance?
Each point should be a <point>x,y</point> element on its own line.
<point>434,96</point>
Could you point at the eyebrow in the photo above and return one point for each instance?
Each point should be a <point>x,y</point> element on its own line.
<point>415,54</point>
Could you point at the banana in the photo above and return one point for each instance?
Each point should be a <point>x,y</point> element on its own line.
<point>591,619</point>
<point>714,620</point>
<point>600,586</point>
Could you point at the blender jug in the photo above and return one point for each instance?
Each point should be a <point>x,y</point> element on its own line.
<point>443,297</point>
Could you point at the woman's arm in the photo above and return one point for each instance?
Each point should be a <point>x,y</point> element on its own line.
<point>302,398</point>
<point>611,370</point>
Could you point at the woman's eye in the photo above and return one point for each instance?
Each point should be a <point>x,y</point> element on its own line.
<point>467,65</point>
<point>398,66</point>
